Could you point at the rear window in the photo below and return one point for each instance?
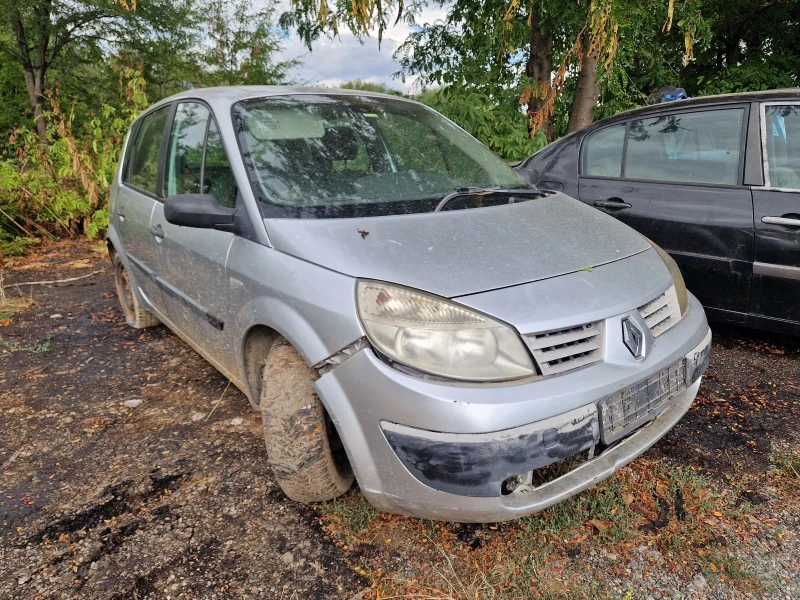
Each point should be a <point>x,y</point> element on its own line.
<point>318,156</point>
<point>697,147</point>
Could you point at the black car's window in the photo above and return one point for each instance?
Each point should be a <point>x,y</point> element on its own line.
<point>783,146</point>
<point>321,155</point>
<point>696,147</point>
<point>217,175</point>
<point>602,155</point>
<point>146,149</point>
<point>185,154</point>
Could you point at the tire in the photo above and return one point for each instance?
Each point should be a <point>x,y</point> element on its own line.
<point>136,315</point>
<point>303,447</point>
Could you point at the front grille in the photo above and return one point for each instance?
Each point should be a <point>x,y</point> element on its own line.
<point>566,349</point>
<point>662,313</point>
<point>628,409</point>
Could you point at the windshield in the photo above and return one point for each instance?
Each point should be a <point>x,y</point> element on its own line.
<point>319,156</point>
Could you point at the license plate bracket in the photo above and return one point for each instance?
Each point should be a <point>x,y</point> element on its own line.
<point>632,407</point>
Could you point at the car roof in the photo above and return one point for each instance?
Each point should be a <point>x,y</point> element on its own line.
<point>233,94</point>
<point>700,101</point>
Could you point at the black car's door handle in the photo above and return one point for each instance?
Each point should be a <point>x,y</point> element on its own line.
<point>157,231</point>
<point>613,204</point>
<point>785,221</point>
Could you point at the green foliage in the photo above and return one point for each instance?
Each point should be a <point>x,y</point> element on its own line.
<point>63,187</point>
<point>497,122</point>
<point>243,44</point>
<point>369,86</point>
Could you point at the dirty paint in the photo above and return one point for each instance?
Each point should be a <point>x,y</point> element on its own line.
<point>479,468</point>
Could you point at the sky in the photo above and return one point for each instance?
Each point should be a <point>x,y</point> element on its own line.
<point>332,62</point>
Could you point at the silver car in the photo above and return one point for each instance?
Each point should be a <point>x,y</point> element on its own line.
<point>400,305</point>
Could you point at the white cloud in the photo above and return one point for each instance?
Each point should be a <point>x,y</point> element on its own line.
<point>332,62</point>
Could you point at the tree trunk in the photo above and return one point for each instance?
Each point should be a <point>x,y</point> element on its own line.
<point>586,93</point>
<point>34,82</point>
<point>34,68</point>
<point>540,68</point>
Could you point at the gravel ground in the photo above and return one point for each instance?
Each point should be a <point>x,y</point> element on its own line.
<point>130,469</point>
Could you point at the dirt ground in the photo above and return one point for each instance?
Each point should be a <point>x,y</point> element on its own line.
<point>130,469</point>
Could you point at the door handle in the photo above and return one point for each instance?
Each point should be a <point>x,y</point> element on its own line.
<point>121,211</point>
<point>612,204</point>
<point>785,221</point>
<point>157,231</point>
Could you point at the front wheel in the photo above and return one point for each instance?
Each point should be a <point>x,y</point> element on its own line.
<point>303,447</point>
<point>136,315</point>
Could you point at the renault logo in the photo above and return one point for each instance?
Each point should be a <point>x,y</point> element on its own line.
<point>633,337</point>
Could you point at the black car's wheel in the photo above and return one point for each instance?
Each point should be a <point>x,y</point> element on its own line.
<point>304,450</point>
<point>136,315</point>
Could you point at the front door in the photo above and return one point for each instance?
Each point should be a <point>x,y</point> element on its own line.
<point>601,183</point>
<point>681,183</point>
<point>776,212</point>
<point>136,199</point>
<point>192,261</point>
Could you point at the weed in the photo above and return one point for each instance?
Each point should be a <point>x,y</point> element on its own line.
<point>34,348</point>
<point>350,515</point>
<point>10,305</point>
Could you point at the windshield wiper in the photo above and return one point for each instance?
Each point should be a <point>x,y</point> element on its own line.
<point>477,191</point>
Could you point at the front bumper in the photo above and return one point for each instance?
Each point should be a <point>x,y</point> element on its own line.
<point>529,424</point>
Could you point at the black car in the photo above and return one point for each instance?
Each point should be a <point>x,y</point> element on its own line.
<point>715,181</point>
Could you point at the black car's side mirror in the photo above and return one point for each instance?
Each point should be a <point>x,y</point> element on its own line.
<point>198,210</point>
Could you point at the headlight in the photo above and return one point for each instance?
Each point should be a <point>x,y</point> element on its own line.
<point>677,278</point>
<point>440,337</point>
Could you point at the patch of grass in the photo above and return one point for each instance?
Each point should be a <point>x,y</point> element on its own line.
<point>10,304</point>
<point>16,246</point>
<point>18,347</point>
<point>349,516</point>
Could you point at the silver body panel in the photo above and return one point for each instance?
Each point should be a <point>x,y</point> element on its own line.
<point>539,265</point>
<point>466,251</point>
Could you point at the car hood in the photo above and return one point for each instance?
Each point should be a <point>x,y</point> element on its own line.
<point>461,252</point>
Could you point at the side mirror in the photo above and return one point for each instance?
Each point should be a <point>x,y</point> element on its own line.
<point>198,210</point>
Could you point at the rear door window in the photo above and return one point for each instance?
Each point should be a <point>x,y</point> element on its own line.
<point>783,146</point>
<point>602,155</point>
<point>143,172</point>
<point>696,147</point>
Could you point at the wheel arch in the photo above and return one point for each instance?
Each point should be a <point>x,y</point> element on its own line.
<point>256,345</point>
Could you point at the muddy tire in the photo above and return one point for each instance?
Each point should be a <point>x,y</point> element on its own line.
<point>136,315</point>
<point>304,450</point>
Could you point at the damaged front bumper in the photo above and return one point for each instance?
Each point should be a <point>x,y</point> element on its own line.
<point>420,447</point>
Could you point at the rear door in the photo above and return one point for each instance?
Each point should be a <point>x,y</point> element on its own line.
<point>776,269</point>
<point>192,261</point>
<point>682,177</point>
<point>136,199</point>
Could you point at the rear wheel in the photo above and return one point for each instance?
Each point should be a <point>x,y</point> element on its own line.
<point>304,449</point>
<point>136,315</point>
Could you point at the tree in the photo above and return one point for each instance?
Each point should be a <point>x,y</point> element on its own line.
<point>38,33</point>
<point>243,44</point>
<point>369,86</point>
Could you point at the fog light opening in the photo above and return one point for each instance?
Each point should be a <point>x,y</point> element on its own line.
<point>525,482</point>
